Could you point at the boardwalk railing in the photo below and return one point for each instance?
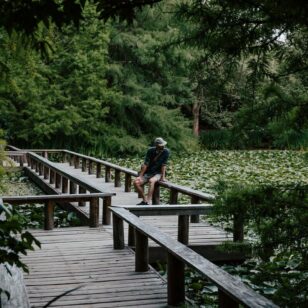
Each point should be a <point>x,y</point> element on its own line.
<point>231,291</point>
<point>51,200</point>
<point>93,165</point>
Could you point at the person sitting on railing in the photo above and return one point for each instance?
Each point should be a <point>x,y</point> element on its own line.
<point>152,170</point>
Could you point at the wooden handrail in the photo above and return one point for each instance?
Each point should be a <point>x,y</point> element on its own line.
<point>232,291</point>
<point>55,198</point>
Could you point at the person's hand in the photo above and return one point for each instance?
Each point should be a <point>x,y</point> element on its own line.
<point>163,179</point>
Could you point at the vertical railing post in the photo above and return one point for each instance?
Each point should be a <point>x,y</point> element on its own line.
<point>49,215</point>
<point>128,182</point>
<point>46,172</point>
<point>176,281</point>
<point>21,161</point>
<point>173,197</point>
<point>73,188</point>
<point>117,178</point>
<point>84,165</point>
<point>71,160</point>
<point>58,180</point>
<point>52,177</point>
<point>118,232</point>
<point>64,185</point>
<point>94,212</point>
<point>76,162</point>
<point>225,301</point>
<point>107,174</point>
<point>131,235</point>
<point>141,252</point>
<point>183,229</point>
<point>156,194</point>
<point>64,157</point>
<point>40,169</point>
<point>90,167</point>
<point>106,211</point>
<point>36,166</point>
<point>82,190</point>
<point>98,170</point>
<point>194,218</point>
<point>45,154</point>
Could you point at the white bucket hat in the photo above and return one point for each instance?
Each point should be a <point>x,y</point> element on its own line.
<point>160,141</point>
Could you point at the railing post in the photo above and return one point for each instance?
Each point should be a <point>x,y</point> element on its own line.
<point>118,232</point>
<point>52,177</point>
<point>45,154</point>
<point>131,236</point>
<point>117,178</point>
<point>107,174</point>
<point>238,227</point>
<point>36,166</point>
<point>194,218</point>
<point>64,185</point>
<point>71,160</point>
<point>98,170</point>
<point>176,281</point>
<point>106,211</point>
<point>84,165</point>
<point>173,197</point>
<point>94,212</point>
<point>58,180</point>
<point>73,187</point>
<point>82,190</point>
<point>141,252</point>
<point>40,169</point>
<point>156,194</point>
<point>128,182</point>
<point>64,157</point>
<point>225,301</point>
<point>46,172</point>
<point>183,229</point>
<point>76,162</point>
<point>21,161</point>
<point>49,215</point>
<point>90,167</point>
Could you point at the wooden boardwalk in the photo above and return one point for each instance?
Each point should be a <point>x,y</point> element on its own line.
<point>84,258</point>
<point>82,262</point>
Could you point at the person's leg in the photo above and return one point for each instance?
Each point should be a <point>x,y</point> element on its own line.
<point>152,182</point>
<point>138,183</point>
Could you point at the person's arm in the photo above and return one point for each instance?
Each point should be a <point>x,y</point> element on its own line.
<point>164,165</point>
<point>144,168</point>
<point>163,173</point>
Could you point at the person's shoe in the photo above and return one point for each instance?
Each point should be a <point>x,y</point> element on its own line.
<point>142,203</point>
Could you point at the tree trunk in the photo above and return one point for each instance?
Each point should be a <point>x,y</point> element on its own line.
<point>196,115</point>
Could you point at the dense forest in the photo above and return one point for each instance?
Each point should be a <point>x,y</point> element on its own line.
<point>113,85</point>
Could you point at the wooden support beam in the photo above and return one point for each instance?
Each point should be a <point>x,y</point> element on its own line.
<point>176,281</point>
<point>106,211</point>
<point>90,167</point>
<point>117,178</point>
<point>98,170</point>
<point>52,177</point>
<point>156,194</point>
<point>49,215</point>
<point>94,213</point>
<point>76,162</point>
<point>194,218</point>
<point>73,187</point>
<point>118,232</point>
<point>141,252</point>
<point>40,169</point>
<point>46,172</point>
<point>183,229</point>
<point>64,185</point>
<point>107,174</point>
<point>71,159</point>
<point>82,190</point>
<point>131,235</point>
<point>84,165</point>
<point>173,197</point>
<point>128,182</point>
<point>238,228</point>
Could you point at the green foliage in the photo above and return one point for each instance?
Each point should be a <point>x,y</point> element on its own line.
<point>14,240</point>
<point>276,220</point>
